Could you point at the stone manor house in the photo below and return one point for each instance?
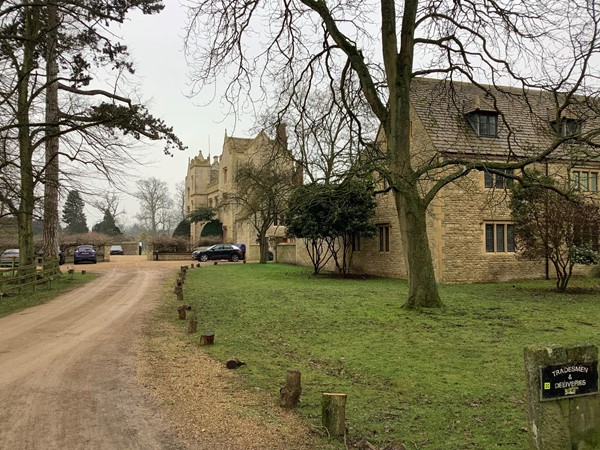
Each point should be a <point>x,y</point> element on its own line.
<point>469,223</point>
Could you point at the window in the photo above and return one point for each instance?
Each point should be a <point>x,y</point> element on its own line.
<point>356,243</point>
<point>224,174</point>
<point>484,123</point>
<point>384,238</point>
<point>499,238</point>
<point>587,235</point>
<point>584,180</point>
<point>568,127</point>
<point>493,180</point>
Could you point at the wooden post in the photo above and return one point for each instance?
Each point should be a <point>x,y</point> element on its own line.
<point>207,339</point>
<point>83,272</point>
<point>234,363</point>
<point>562,397</point>
<point>290,393</point>
<point>333,413</point>
<point>182,309</point>
<point>179,293</point>
<point>192,325</point>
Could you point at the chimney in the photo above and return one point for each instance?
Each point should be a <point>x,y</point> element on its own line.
<point>282,134</point>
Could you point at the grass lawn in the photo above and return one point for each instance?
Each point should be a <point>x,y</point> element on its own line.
<point>451,378</point>
<point>42,293</point>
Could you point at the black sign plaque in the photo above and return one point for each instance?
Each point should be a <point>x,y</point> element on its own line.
<point>569,380</point>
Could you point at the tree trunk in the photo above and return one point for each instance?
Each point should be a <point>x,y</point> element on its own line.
<point>26,205</point>
<point>263,245</point>
<point>51,187</point>
<point>412,209</point>
<point>422,286</point>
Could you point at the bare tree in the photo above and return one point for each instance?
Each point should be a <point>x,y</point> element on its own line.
<point>376,50</point>
<point>180,200</point>
<point>155,205</point>
<point>108,201</point>
<point>49,51</point>
<point>261,194</point>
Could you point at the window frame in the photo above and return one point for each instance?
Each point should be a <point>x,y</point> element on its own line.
<point>591,180</point>
<point>480,123</point>
<point>569,128</point>
<point>356,243</point>
<point>498,237</point>
<point>496,181</point>
<point>383,233</point>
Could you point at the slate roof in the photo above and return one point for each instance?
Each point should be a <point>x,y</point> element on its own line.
<point>524,122</point>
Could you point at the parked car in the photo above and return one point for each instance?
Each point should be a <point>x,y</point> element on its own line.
<point>84,253</point>
<point>220,251</point>
<point>242,247</point>
<point>9,258</point>
<point>196,251</point>
<point>116,250</point>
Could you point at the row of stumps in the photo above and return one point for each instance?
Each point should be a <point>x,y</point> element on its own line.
<point>205,339</point>
<point>333,405</point>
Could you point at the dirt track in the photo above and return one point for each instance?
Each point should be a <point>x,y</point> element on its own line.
<point>67,367</point>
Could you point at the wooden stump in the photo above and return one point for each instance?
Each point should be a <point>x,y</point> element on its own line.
<point>192,325</point>
<point>290,393</point>
<point>207,339</point>
<point>234,363</point>
<point>179,293</point>
<point>333,414</point>
<point>215,263</point>
<point>182,309</point>
<point>83,272</point>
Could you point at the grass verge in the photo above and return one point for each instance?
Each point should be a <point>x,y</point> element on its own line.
<point>449,378</point>
<point>41,294</point>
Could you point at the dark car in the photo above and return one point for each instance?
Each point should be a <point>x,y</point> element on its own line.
<point>219,251</point>
<point>242,248</point>
<point>84,253</point>
<point>10,258</point>
<point>116,250</point>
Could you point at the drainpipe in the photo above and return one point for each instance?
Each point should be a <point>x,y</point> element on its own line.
<point>546,225</point>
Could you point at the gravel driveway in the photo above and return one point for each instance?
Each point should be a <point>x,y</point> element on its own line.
<point>74,374</point>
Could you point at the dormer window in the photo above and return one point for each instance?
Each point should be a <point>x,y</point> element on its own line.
<point>484,123</point>
<point>568,127</point>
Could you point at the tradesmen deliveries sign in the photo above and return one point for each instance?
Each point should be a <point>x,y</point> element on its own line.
<point>569,380</point>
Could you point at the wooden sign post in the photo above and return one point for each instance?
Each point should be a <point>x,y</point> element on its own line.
<point>562,397</point>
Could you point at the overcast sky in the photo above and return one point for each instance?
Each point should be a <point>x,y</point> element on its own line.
<point>156,46</point>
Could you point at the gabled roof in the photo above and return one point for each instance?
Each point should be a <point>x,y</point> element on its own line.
<point>524,117</point>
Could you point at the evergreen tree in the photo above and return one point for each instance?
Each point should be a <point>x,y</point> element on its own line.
<point>108,225</point>
<point>182,229</point>
<point>73,214</point>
